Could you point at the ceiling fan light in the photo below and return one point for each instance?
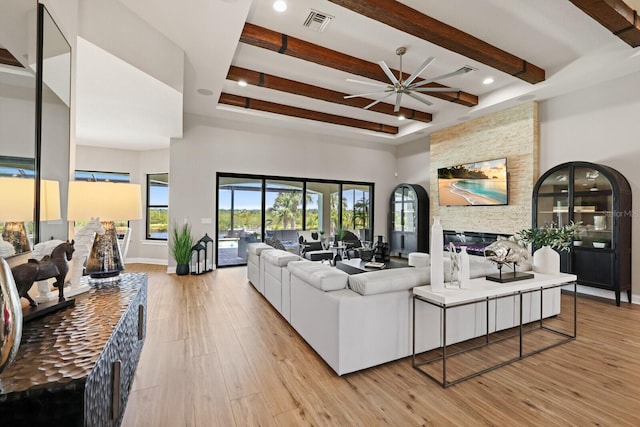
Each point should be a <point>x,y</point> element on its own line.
<point>280,6</point>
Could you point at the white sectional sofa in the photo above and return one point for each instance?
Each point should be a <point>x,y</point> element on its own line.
<point>276,278</point>
<point>254,272</point>
<point>363,320</point>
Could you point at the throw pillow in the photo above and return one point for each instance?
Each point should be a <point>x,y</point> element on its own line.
<point>275,243</point>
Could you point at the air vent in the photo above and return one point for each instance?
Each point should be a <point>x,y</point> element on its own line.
<point>317,21</point>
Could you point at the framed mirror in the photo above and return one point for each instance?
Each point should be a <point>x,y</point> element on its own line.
<point>35,80</point>
<point>53,94</point>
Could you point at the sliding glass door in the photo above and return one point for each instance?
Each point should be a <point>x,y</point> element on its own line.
<point>256,208</point>
<point>239,218</point>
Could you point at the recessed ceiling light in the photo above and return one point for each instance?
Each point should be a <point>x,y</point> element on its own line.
<point>401,117</point>
<point>242,83</point>
<point>205,92</point>
<point>279,5</point>
<point>488,81</point>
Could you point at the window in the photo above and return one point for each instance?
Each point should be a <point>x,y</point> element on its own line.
<point>157,206</point>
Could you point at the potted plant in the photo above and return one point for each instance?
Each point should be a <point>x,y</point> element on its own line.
<point>340,235</point>
<point>544,240</point>
<point>577,240</point>
<point>555,237</point>
<point>180,246</point>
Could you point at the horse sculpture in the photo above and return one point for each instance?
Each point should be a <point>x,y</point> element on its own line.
<point>54,265</point>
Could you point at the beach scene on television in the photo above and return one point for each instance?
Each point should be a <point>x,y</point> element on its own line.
<point>474,184</point>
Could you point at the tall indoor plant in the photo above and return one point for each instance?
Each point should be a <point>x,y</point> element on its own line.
<point>180,245</point>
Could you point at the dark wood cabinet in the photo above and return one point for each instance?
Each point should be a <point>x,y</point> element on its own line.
<point>598,197</point>
<point>408,220</point>
<point>75,367</point>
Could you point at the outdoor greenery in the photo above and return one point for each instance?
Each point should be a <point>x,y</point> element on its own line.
<point>550,235</point>
<point>158,220</point>
<point>181,243</point>
<point>286,214</point>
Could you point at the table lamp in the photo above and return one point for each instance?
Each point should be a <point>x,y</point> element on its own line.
<point>17,207</point>
<point>109,202</point>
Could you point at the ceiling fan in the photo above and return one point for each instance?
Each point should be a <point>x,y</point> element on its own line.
<point>400,86</point>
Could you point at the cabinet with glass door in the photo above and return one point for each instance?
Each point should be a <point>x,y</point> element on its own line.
<point>409,217</point>
<point>598,198</point>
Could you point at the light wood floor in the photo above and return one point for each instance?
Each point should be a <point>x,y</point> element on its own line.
<point>217,354</point>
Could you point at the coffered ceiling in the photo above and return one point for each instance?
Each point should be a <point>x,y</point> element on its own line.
<point>531,50</point>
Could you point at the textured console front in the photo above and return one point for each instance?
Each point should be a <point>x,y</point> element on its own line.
<point>62,374</point>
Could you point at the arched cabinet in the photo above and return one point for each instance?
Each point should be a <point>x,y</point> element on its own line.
<point>600,198</point>
<point>408,220</point>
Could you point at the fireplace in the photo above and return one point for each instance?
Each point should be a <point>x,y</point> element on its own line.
<point>474,241</point>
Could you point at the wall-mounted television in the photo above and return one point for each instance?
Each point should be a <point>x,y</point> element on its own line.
<point>474,184</point>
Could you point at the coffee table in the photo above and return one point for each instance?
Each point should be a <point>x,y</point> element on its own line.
<point>357,266</point>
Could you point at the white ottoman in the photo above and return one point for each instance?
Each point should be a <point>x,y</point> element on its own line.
<point>419,259</point>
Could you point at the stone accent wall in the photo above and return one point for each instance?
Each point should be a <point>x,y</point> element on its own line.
<point>514,134</point>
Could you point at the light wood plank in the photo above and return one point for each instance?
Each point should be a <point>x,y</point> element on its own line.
<point>218,354</point>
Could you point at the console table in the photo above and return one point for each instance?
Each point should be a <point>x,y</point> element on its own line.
<point>482,291</point>
<point>75,367</point>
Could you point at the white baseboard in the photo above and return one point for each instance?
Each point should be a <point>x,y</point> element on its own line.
<point>602,293</point>
<point>154,261</point>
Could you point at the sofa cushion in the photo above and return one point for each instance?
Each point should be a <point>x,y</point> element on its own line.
<point>419,259</point>
<point>308,236</point>
<point>397,279</point>
<point>279,258</point>
<point>321,276</point>
<point>257,248</point>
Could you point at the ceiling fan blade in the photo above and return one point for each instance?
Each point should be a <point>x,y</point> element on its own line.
<point>419,98</point>
<point>437,89</point>
<point>388,72</point>
<point>368,83</point>
<point>463,70</point>
<point>364,94</point>
<point>379,100</point>
<point>419,71</point>
<point>396,108</point>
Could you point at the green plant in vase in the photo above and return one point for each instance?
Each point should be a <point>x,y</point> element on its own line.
<point>556,237</point>
<point>340,234</point>
<point>180,246</point>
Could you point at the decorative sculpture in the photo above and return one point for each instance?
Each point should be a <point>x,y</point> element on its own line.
<point>83,242</point>
<point>507,251</point>
<point>454,264</point>
<point>54,265</point>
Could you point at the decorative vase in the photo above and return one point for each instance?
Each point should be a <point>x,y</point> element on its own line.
<point>546,261</point>
<point>10,316</point>
<point>464,276</point>
<point>182,269</point>
<point>437,256</point>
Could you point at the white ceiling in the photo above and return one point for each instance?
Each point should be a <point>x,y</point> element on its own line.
<point>574,50</point>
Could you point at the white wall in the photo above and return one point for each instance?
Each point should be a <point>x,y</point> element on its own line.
<point>206,150</point>
<point>600,125</point>
<point>138,164</point>
<point>413,163</point>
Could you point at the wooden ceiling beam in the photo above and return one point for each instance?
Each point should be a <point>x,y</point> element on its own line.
<point>278,42</point>
<point>614,15</point>
<point>271,107</point>
<point>411,21</point>
<point>291,86</point>
<point>8,59</point>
